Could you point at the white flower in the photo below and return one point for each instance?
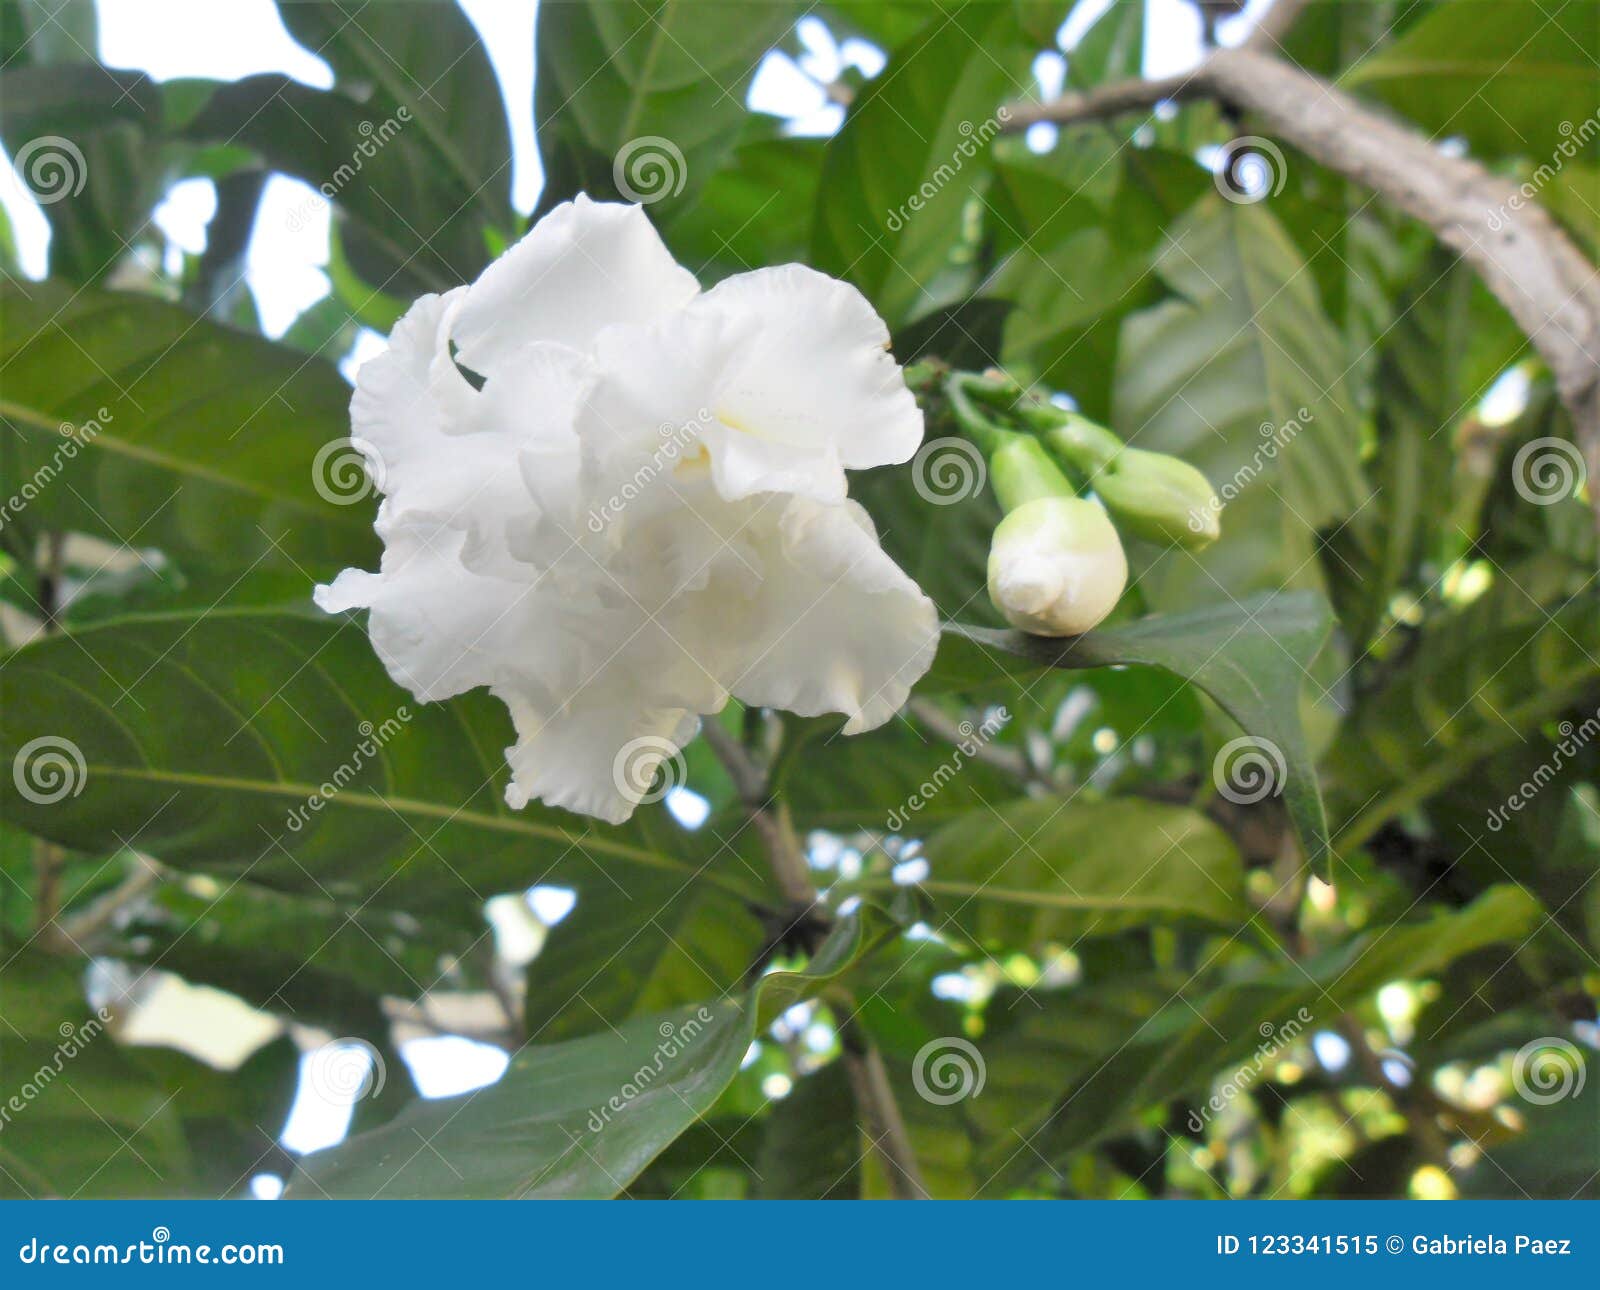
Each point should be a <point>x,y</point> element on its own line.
<point>1056,566</point>
<point>640,509</point>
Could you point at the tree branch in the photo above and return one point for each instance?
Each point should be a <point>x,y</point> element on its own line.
<point>869,1080</point>
<point>1544,281</point>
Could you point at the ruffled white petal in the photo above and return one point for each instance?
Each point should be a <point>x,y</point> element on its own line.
<point>814,389</point>
<point>584,266</point>
<point>840,628</point>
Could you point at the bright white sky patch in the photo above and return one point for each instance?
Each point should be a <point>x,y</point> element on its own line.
<point>507,28</point>
<point>169,38</point>
<point>287,249</point>
<point>449,1064</point>
<point>185,211</point>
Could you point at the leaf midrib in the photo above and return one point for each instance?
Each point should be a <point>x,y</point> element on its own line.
<point>357,799</point>
<point>179,466</point>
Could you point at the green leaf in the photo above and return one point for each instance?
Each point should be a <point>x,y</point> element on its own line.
<point>868,780</point>
<point>581,1118</point>
<point>811,1148</point>
<point>755,210</point>
<point>1075,234</point>
<point>187,436</point>
<point>893,198</point>
<point>427,60</point>
<point>1436,359</point>
<point>1112,49</point>
<point>1078,1066</point>
<point>667,77</point>
<point>648,946</point>
<point>84,135</point>
<point>85,1119</point>
<point>1249,656</point>
<point>275,707</point>
<point>1472,687</point>
<point>1506,76</point>
<point>406,228</point>
<point>1243,376</point>
<point>1021,874</point>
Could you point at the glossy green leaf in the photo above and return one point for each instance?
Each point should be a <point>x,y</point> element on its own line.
<point>1085,1059</point>
<point>642,101</point>
<point>650,945</point>
<point>1506,76</point>
<point>423,80</point>
<point>186,436</point>
<point>279,709</point>
<point>1243,376</point>
<point>891,210</point>
<point>1251,657</point>
<point>580,1118</point>
<point>1021,874</point>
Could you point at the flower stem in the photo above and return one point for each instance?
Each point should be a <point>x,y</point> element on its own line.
<point>876,1107</point>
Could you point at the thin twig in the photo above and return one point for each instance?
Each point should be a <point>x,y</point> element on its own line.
<point>1013,761</point>
<point>875,1102</point>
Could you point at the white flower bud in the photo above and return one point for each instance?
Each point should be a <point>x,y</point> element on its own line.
<point>1056,566</point>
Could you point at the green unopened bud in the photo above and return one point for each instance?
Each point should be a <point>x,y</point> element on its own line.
<point>1056,566</point>
<point>1022,471</point>
<point>1151,495</point>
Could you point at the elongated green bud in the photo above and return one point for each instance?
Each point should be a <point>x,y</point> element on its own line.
<point>1056,566</point>
<point>1022,471</point>
<point>1151,495</point>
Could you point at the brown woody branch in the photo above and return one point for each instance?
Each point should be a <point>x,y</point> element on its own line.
<point>1544,281</point>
